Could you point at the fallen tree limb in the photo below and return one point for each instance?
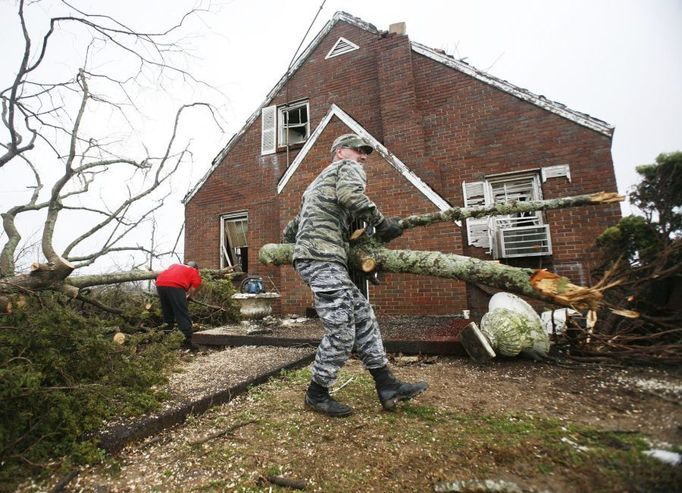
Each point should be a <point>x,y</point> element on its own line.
<point>227,431</point>
<point>297,484</point>
<point>98,304</point>
<point>538,284</point>
<point>511,207</point>
<point>207,305</point>
<point>367,254</point>
<point>47,277</point>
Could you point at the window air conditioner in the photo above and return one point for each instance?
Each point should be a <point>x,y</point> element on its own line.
<point>523,241</point>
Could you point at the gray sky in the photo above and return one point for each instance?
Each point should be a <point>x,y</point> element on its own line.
<point>619,61</point>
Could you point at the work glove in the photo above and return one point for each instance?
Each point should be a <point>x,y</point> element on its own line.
<point>389,229</point>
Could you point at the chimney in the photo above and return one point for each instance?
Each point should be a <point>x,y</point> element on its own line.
<point>398,28</point>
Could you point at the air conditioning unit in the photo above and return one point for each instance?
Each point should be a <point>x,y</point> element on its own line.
<point>523,241</point>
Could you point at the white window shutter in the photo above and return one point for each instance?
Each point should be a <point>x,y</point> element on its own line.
<point>268,143</point>
<point>478,230</point>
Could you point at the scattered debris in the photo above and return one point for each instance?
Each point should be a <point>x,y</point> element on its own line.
<point>336,389</point>
<point>554,321</point>
<point>482,486</point>
<point>579,448</point>
<point>293,320</point>
<point>256,330</point>
<point>666,456</point>
<point>672,392</point>
<point>228,431</point>
<point>406,360</point>
<point>297,484</point>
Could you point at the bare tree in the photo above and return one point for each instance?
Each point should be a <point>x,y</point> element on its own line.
<point>72,159</point>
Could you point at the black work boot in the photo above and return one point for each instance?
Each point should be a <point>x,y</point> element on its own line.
<point>318,399</point>
<point>391,390</point>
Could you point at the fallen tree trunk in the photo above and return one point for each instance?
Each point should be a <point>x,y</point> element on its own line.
<point>367,254</point>
<point>537,284</point>
<point>46,277</point>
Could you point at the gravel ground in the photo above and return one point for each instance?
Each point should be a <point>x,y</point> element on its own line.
<point>191,456</point>
<point>201,376</point>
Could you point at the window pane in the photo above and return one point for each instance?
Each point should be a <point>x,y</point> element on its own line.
<point>236,232</point>
<point>234,244</point>
<point>519,189</point>
<point>294,127</point>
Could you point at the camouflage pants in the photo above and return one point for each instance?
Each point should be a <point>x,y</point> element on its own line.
<point>348,319</point>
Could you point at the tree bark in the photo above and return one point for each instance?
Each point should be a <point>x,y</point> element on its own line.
<point>537,284</point>
<point>512,207</point>
<point>47,277</point>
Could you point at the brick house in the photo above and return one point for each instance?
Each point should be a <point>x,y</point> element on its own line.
<point>445,134</point>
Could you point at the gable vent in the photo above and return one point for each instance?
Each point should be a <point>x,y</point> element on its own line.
<point>341,47</point>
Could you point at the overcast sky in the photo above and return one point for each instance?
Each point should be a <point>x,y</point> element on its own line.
<point>619,61</point>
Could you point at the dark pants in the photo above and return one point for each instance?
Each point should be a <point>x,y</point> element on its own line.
<point>174,309</point>
<point>347,317</point>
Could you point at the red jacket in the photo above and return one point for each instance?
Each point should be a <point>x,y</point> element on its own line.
<point>179,276</point>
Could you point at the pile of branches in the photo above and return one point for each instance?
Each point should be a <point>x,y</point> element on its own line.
<point>642,316</point>
<point>134,306</point>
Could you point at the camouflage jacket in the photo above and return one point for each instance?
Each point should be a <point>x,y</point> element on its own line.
<point>321,230</point>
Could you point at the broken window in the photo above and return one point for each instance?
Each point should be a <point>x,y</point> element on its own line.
<point>514,235</point>
<point>234,246</point>
<point>284,126</point>
<point>293,124</point>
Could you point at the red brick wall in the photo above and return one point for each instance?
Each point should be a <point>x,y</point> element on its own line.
<point>395,196</point>
<point>444,125</point>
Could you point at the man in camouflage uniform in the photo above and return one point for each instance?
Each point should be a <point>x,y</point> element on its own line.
<point>321,232</point>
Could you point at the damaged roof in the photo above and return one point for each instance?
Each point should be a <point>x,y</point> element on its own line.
<point>437,55</point>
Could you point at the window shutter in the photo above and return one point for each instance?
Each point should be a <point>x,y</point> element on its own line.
<point>478,230</point>
<point>268,143</point>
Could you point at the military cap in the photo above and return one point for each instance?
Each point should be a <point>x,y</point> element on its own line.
<point>352,141</point>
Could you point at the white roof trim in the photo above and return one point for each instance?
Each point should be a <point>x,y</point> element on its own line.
<point>544,103</point>
<point>392,159</point>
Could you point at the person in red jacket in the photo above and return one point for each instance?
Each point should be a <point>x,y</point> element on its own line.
<point>175,286</point>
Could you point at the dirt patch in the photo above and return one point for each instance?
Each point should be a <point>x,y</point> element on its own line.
<point>542,427</point>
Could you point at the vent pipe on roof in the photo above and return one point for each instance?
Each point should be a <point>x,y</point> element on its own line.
<point>397,28</point>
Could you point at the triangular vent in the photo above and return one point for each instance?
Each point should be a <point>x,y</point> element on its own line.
<point>341,47</point>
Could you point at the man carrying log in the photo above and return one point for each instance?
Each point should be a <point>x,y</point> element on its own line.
<point>321,232</point>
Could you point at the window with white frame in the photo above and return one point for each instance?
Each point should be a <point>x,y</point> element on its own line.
<point>284,126</point>
<point>513,235</point>
<point>234,246</point>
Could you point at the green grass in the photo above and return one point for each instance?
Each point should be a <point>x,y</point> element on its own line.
<point>365,450</point>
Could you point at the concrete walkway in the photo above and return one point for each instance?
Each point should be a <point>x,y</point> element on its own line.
<point>203,380</point>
